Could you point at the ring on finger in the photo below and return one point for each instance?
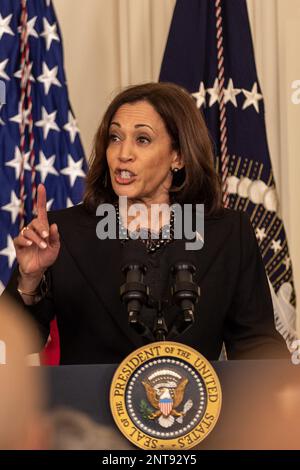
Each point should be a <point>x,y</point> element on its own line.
<point>23,230</point>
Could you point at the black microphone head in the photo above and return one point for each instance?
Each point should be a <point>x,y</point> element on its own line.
<point>134,252</point>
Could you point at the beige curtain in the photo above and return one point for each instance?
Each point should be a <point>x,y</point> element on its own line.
<point>275,28</point>
<point>111,44</point>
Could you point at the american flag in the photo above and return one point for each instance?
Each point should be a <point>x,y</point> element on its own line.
<point>209,52</point>
<point>39,136</point>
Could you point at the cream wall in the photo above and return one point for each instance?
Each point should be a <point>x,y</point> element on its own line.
<point>289,41</point>
<point>109,44</point>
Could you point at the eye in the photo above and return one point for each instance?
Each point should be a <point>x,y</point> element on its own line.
<point>113,138</point>
<point>143,139</point>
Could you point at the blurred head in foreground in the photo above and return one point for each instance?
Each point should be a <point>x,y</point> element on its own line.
<point>74,430</point>
<point>22,422</point>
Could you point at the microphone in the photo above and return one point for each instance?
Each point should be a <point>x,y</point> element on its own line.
<point>134,292</point>
<point>184,290</point>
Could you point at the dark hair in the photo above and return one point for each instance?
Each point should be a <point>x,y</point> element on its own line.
<point>197,182</point>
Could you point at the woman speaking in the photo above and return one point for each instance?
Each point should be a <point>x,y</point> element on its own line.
<point>153,147</point>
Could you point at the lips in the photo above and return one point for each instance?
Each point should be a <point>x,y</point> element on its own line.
<point>124,176</point>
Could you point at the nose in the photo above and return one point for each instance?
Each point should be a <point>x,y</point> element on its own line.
<point>126,152</point>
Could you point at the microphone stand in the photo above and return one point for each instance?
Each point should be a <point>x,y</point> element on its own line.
<point>160,329</point>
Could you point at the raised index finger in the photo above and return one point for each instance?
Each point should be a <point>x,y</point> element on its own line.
<point>41,204</point>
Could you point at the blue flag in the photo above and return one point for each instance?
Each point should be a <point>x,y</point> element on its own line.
<point>209,52</point>
<point>39,137</point>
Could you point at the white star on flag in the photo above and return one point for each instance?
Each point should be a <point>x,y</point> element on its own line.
<point>49,204</point>
<point>4,26</point>
<point>252,98</point>
<point>17,161</point>
<point>287,262</point>
<point>69,202</point>
<point>71,127</point>
<point>230,93</point>
<point>200,96</point>
<point>73,170</point>
<point>3,74</point>
<point>30,28</point>
<point>276,245</point>
<point>47,122</point>
<point>18,74</point>
<point>13,206</point>
<point>46,166</point>
<point>260,233</point>
<point>49,33</point>
<point>214,93</point>
<point>48,77</point>
<point>9,251</point>
<point>18,117</point>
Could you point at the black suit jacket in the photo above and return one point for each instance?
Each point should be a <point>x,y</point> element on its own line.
<point>235,306</point>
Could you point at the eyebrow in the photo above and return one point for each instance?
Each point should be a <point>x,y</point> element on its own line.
<point>136,125</point>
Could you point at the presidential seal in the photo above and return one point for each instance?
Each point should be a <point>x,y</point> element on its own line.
<point>165,396</point>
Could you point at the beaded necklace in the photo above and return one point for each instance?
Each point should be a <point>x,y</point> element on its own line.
<point>164,237</point>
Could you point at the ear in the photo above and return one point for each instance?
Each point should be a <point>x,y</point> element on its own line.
<point>177,161</point>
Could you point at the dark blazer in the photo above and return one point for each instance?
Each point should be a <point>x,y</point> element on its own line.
<point>235,306</point>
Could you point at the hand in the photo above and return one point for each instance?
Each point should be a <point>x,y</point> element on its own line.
<point>37,245</point>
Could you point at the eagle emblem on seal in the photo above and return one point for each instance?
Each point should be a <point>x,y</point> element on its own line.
<point>165,391</point>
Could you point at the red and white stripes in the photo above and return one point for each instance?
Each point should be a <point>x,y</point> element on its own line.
<point>222,107</point>
<point>26,115</point>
